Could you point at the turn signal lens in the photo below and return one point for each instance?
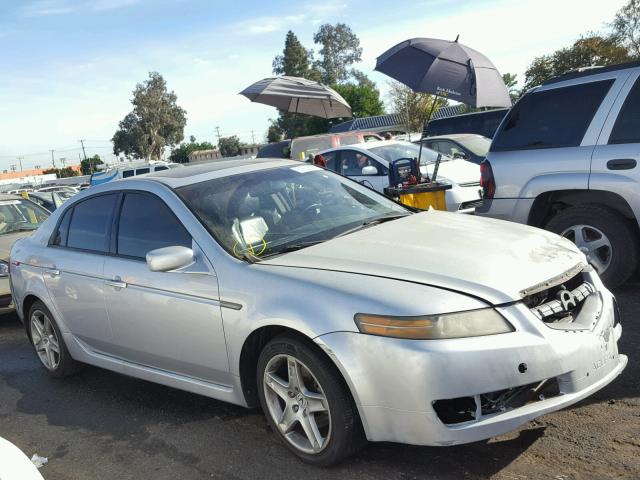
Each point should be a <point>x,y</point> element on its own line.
<point>472,323</point>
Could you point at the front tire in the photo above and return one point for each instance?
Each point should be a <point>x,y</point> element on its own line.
<point>306,402</point>
<point>48,342</point>
<point>605,236</point>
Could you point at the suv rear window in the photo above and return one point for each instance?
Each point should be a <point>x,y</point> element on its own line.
<point>627,127</point>
<point>551,118</point>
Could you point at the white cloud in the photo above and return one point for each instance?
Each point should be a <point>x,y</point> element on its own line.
<point>47,7</point>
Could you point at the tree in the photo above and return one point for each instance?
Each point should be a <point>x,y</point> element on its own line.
<point>294,60</point>
<point>274,133</point>
<point>626,27</point>
<point>229,146</point>
<point>585,52</point>
<point>62,172</point>
<point>415,106</point>
<point>88,166</point>
<point>363,98</point>
<point>155,122</point>
<point>511,81</point>
<point>340,49</point>
<point>181,153</point>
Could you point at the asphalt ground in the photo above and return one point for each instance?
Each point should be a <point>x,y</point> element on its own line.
<point>102,425</point>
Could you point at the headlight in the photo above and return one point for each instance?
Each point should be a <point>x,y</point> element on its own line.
<point>4,269</point>
<point>472,323</point>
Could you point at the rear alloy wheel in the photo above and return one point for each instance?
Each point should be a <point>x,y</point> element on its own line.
<point>48,342</point>
<point>306,402</point>
<point>604,236</point>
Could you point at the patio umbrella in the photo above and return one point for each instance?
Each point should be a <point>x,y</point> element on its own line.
<point>446,69</point>
<point>298,95</point>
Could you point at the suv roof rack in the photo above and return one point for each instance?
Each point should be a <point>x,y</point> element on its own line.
<point>592,70</point>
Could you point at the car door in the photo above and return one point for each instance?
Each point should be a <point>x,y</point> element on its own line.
<point>167,320</point>
<point>349,166</point>
<point>615,165</point>
<point>75,277</point>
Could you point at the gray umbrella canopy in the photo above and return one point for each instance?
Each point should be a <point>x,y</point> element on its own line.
<point>298,95</point>
<point>449,69</point>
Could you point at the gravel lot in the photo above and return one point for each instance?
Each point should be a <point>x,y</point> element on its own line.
<point>103,425</point>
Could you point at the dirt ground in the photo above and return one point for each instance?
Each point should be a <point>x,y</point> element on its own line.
<point>101,425</point>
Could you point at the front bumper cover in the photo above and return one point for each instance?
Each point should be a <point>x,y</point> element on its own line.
<point>395,382</point>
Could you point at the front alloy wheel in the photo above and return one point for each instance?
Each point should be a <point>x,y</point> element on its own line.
<point>297,404</point>
<point>306,401</point>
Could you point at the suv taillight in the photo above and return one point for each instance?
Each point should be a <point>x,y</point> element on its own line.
<point>487,182</point>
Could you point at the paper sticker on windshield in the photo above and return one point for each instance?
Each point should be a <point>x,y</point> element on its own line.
<point>10,202</point>
<point>305,168</point>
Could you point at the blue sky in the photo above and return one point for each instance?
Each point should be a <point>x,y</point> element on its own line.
<point>69,66</point>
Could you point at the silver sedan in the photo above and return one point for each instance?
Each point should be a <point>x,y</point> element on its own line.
<point>342,314</point>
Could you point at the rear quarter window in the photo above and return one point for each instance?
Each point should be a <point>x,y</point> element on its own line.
<point>551,118</point>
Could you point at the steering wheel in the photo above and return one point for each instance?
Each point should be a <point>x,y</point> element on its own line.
<point>308,209</point>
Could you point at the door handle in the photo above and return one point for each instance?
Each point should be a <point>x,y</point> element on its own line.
<point>621,164</point>
<point>52,272</point>
<point>116,283</point>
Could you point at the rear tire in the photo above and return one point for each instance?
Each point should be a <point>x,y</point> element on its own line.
<point>48,342</point>
<point>321,398</point>
<point>617,257</point>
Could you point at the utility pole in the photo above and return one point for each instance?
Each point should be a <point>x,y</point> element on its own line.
<point>218,133</point>
<point>253,137</point>
<point>63,160</point>
<point>53,160</point>
<point>83,152</point>
<point>20,160</point>
<point>13,168</point>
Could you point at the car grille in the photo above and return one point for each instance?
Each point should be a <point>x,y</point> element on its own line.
<point>561,305</point>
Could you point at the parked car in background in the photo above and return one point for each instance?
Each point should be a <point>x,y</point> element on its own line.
<point>342,314</point>
<point>463,176</point>
<point>50,199</point>
<point>280,149</point>
<point>466,146</point>
<point>566,159</point>
<point>19,217</point>
<point>130,171</point>
<point>59,188</point>
<point>482,123</point>
<point>305,148</point>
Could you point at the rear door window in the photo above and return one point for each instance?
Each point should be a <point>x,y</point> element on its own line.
<point>627,126</point>
<point>551,118</point>
<point>147,223</point>
<point>142,171</point>
<point>90,222</point>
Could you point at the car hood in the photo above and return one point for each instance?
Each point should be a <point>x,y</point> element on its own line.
<point>494,260</point>
<point>7,240</point>
<point>457,170</point>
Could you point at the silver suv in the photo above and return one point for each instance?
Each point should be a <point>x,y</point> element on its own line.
<point>565,159</point>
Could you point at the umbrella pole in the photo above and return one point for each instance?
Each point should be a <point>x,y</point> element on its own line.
<point>426,127</point>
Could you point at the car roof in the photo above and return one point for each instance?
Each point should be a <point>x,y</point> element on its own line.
<point>585,72</point>
<point>178,177</point>
<point>365,145</point>
<point>454,136</point>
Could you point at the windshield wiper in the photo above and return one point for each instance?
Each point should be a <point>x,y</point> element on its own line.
<point>292,248</point>
<point>370,223</point>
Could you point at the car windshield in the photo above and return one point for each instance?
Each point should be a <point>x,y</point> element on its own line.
<point>17,215</point>
<point>395,151</point>
<point>478,144</point>
<point>267,212</point>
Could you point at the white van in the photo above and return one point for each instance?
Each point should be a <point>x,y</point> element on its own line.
<point>99,178</point>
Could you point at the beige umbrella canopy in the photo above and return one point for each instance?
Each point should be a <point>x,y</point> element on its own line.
<point>298,95</point>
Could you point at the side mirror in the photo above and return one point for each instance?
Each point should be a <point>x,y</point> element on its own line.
<point>169,258</point>
<point>369,170</point>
